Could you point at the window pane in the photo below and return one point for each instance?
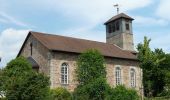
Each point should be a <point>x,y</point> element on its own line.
<point>132,78</point>
<point>118,76</point>
<point>64,73</point>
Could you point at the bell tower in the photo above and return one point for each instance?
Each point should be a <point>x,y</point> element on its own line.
<point>119,31</point>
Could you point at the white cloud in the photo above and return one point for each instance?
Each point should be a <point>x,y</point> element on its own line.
<point>140,20</point>
<point>10,43</point>
<point>88,12</point>
<point>163,9</point>
<point>161,42</point>
<point>157,40</point>
<point>95,11</point>
<point>9,19</point>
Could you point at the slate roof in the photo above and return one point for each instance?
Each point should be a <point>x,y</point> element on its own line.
<point>75,45</point>
<point>121,15</point>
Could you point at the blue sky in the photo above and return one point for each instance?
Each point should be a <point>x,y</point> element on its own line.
<point>81,19</point>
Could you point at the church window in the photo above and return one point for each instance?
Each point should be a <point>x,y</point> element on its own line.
<point>132,78</point>
<point>64,73</point>
<point>118,76</point>
<point>31,48</point>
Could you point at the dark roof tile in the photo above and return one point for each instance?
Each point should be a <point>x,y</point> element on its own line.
<point>69,44</point>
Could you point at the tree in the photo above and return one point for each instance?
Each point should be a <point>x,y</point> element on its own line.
<point>153,72</point>
<point>90,66</point>
<point>91,75</point>
<point>22,83</point>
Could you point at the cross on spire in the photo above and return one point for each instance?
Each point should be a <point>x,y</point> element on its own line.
<point>117,6</point>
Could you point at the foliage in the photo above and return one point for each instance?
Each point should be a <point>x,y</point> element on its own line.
<point>91,74</point>
<point>122,93</point>
<point>154,65</point>
<point>94,90</point>
<point>90,66</point>
<point>60,94</point>
<point>166,91</point>
<point>22,83</point>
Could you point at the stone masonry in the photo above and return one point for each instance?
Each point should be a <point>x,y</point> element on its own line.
<point>50,63</point>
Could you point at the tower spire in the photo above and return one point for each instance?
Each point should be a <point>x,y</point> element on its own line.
<point>117,7</point>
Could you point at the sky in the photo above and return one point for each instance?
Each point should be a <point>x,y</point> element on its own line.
<point>81,19</point>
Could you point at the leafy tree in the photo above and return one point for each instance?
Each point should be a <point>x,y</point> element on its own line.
<point>1,83</point>
<point>22,83</point>
<point>91,75</point>
<point>90,66</point>
<point>152,63</point>
<point>60,94</point>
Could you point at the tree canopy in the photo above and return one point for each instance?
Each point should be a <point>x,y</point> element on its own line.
<point>155,65</point>
<point>91,75</point>
<point>20,82</point>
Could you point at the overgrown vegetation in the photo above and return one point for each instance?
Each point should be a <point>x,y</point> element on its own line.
<point>91,75</point>
<point>60,94</point>
<point>156,69</point>
<point>20,82</point>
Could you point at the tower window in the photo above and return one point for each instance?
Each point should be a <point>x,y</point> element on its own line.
<point>113,27</point>
<point>118,76</point>
<point>117,25</point>
<point>64,73</point>
<point>110,29</point>
<point>132,78</point>
<point>127,26</point>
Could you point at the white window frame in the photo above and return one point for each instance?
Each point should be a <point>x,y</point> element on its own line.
<point>118,75</point>
<point>64,73</point>
<point>132,79</point>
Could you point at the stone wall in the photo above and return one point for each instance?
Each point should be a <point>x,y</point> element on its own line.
<point>58,58</point>
<point>39,54</point>
<point>50,64</point>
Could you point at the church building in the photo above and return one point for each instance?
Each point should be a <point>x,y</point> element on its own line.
<point>56,55</point>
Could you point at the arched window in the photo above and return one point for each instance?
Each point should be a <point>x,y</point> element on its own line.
<point>132,78</point>
<point>64,73</point>
<point>118,76</point>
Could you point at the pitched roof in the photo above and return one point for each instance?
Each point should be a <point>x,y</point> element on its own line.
<point>75,45</point>
<point>121,15</point>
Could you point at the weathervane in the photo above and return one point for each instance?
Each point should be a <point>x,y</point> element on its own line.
<point>117,6</point>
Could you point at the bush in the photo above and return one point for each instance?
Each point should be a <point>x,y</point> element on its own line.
<point>122,93</point>
<point>95,90</point>
<point>60,94</point>
<point>22,83</point>
<point>90,66</point>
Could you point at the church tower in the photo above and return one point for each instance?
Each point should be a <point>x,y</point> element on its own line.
<point>119,31</point>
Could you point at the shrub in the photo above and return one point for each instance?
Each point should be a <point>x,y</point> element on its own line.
<point>95,90</point>
<point>60,94</point>
<point>22,83</point>
<point>90,65</point>
<point>122,93</point>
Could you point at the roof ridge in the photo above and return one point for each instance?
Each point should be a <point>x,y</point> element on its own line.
<point>71,44</point>
<point>77,39</point>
